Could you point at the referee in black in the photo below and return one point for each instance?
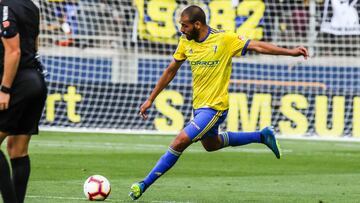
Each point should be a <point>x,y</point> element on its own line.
<point>22,93</point>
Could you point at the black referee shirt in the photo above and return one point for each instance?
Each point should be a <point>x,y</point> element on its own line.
<point>20,16</point>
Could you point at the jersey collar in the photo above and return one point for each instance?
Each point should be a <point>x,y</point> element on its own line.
<point>207,35</point>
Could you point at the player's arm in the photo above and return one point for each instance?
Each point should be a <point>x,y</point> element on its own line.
<point>11,61</point>
<point>163,81</point>
<point>267,48</point>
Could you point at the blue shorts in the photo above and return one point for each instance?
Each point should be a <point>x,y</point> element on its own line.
<point>205,123</point>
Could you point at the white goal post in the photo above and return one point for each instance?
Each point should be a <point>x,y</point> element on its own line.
<point>105,56</point>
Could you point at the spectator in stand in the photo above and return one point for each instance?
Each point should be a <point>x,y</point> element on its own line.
<point>67,12</point>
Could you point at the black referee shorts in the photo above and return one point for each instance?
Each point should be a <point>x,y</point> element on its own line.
<point>27,100</point>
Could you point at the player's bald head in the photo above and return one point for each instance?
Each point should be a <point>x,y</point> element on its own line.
<point>194,13</point>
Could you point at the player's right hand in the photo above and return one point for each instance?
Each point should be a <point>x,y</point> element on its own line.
<point>147,104</point>
<point>301,51</point>
<point>4,101</point>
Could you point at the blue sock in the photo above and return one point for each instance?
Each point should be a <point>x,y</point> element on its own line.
<point>240,138</point>
<point>163,165</point>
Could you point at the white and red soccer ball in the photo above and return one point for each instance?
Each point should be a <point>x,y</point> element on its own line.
<point>97,187</point>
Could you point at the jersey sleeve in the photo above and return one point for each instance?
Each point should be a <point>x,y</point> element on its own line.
<point>179,54</point>
<point>8,24</point>
<point>236,43</point>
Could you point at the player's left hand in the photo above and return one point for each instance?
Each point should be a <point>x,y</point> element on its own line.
<point>4,101</point>
<point>147,104</point>
<point>300,51</point>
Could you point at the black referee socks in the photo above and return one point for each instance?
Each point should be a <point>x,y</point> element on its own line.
<point>21,172</point>
<point>6,185</point>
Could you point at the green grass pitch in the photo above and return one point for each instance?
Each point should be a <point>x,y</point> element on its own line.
<point>309,171</point>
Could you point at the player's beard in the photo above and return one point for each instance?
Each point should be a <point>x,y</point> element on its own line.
<point>193,34</point>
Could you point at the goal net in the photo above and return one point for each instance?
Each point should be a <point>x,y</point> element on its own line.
<point>105,56</point>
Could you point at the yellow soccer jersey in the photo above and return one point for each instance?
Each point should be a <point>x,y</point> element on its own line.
<point>210,62</point>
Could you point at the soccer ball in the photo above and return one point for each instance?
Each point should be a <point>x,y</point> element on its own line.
<point>97,187</point>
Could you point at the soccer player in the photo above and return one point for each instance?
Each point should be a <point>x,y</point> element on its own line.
<point>210,53</point>
<point>22,93</point>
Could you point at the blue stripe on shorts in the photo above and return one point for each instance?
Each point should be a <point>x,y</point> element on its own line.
<point>205,123</point>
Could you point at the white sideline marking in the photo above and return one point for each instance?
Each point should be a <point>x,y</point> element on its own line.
<point>54,197</point>
<point>97,145</point>
<point>348,145</point>
<point>173,133</point>
<point>127,146</point>
<point>107,200</point>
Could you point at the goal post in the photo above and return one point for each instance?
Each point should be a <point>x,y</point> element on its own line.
<point>105,56</point>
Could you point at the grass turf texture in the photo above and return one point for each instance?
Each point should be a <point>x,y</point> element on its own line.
<point>309,171</point>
